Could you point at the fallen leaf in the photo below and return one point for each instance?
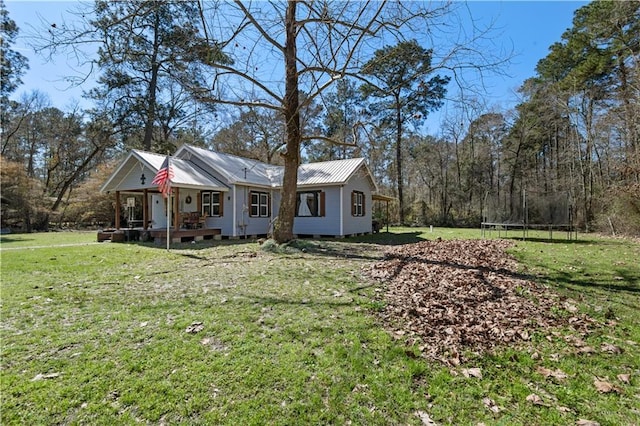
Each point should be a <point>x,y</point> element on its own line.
<point>475,308</point>
<point>455,361</point>
<point>535,399</point>
<point>544,371</point>
<point>603,386</point>
<point>359,387</point>
<point>491,404</point>
<point>472,372</point>
<point>556,374</point>
<point>194,328</point>
<point>612,349</point>
<point>41,376</point>
<point>624,378</point>
<point>424,418</point>
<point>586,350</point>
<point>564,409</point>
<point>559,374</point>
<point>583,422</point>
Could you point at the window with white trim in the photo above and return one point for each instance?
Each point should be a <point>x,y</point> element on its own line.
<point>259,204</point>
<point>212,203</point>
<point>357,203</point>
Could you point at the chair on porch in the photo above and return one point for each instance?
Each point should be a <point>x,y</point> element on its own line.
<point>192,220</point>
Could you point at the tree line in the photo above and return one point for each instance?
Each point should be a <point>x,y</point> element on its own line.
<point>295,81</point>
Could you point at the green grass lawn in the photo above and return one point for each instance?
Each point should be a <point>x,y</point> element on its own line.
<point>97,334</point>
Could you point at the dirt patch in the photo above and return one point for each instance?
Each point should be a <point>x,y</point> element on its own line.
<point>449,297</point>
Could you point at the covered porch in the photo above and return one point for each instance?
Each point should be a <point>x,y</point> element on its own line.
<point>377,226</point>
<point>143,214</point>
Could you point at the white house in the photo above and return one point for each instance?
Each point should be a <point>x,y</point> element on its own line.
<point>224,195</point>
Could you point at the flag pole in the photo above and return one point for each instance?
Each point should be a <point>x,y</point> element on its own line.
<point>169,205</point>
<point>163,180</point>
<point>168,218</point>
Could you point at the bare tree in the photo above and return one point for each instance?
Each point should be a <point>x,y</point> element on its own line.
<point>282,48</point>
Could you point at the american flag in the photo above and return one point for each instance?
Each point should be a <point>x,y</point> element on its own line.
<point>163,178</point>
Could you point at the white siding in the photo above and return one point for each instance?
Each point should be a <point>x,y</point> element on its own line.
<point>357,224</point>
<point>324,225</point>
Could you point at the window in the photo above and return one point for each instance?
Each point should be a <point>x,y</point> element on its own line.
<point>310,203</point>
<point>357,203</point>
<point>212,203</point>
<point>259,204</point>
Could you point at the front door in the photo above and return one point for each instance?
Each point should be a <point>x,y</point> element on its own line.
<point>158,211</point>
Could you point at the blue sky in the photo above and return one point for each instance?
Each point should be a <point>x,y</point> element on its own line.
<point>527,27</point>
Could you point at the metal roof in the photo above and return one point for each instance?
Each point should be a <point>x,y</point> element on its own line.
<point>242,170</point>
<point>186,174</point>
<point>236,169</point>
<point>233,169</point>
<point>328,172</point>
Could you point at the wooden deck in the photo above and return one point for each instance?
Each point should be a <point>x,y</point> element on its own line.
<point>159,235</point>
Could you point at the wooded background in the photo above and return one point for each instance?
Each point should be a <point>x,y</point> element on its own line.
<point>573,142</point>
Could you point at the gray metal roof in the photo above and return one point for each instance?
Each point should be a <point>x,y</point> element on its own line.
<point>242,170</point>
<point>233,169</point>
<point>186,174</point>
<point>328,172</point>
<point>236,169</point>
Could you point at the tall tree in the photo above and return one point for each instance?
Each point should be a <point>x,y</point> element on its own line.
<point>146,51</point>
<point>281,47</point>
<point>13,65</point>
<point>341,123</point>
<point>398,78</point>
<point>145,47</point>
<point>254,134</point>
<point>594,71</point>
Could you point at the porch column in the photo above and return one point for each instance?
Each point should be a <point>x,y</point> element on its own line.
<point>117,221</point>
<point>176,206</point>
<point>387,216</point>
<point>145,210</point>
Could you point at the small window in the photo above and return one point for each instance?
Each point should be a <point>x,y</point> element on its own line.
<point>259,204</point>
<point>310,204</point>
<point>212,203</point>
<point>357,203</point>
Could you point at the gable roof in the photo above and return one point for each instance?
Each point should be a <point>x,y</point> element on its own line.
<point>186,174</point>
<point>236,170</point>
<point>231,169</point>
<point>239,170</point>
<point>335,172</point>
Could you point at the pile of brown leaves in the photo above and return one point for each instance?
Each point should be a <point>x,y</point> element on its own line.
<point>452,296</point>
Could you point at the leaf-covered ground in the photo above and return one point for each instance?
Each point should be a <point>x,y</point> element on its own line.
<point>450,297</point>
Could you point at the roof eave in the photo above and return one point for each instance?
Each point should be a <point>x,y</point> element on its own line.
<point>133,153</point>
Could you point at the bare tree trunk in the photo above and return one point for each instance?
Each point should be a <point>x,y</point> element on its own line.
<point>153,87</point>
<point>399,160</point>
<point>74,176</point>
<point>632,142</point>
<point>283,231</point>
